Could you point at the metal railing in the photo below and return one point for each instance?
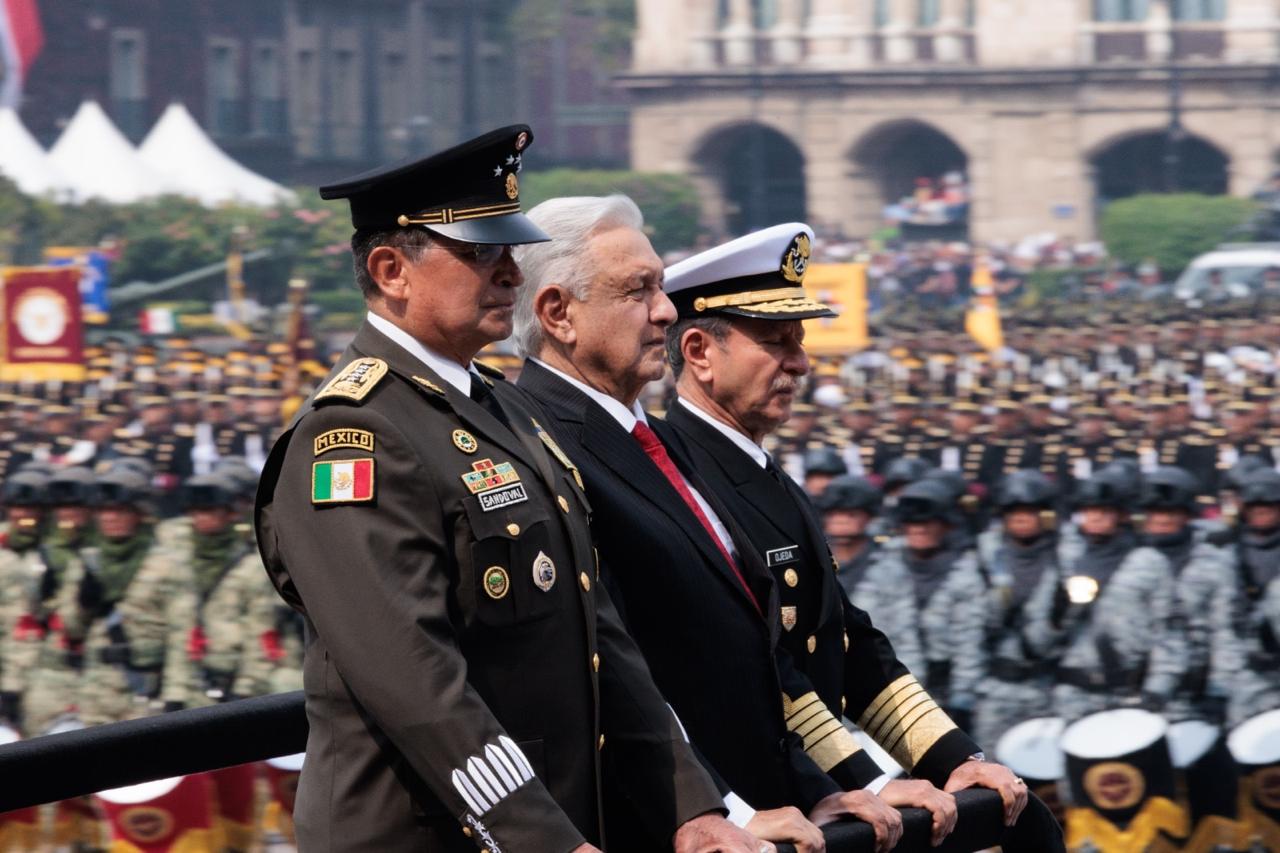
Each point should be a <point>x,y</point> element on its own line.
<point>62,766</point>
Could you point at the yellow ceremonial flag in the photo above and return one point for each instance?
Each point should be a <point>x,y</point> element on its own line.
<point>982,320</point>
<point>844,288</point>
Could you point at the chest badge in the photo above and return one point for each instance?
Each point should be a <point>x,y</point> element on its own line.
<point>465,441</point>
<point>497,486</point>
<point>544,572</point>
<point>496,582</point>
<point>788,618</point>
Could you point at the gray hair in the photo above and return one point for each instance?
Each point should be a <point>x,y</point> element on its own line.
<point>413,242</point>
<point>716,327</point>
<point>570,223</point>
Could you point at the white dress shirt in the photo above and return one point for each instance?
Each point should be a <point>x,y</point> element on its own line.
<point>457,375</point>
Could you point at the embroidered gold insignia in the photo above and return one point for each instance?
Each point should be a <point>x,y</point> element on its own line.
<point>429,385</point>
<point>796,261</point>
<point>496,582</point>
<point>544,572</point>
<point>465,441</point>
<point>513,186</point>
<point>356,380</point>
<point>334,439</point>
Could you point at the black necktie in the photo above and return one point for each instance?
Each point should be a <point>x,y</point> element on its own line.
<point>483,394</point>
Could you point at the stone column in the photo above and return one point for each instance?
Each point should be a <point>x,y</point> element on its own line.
<point>788,48</point>
<point>948,43</point>
<point>738,34</point>
<point>839,33</point>
<point>703,30</point>
<point>1159,31</point>
<point>898,46</point>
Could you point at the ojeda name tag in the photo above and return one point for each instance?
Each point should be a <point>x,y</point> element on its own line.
<point>778,556</point>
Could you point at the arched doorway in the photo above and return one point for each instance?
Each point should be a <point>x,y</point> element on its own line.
<point>1150,163</point>
<point>919,177</point>
<point>759,173</point>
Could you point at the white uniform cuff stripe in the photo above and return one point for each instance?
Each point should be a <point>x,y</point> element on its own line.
<point>469,793</point>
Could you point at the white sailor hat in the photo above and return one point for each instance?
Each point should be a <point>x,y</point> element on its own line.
<point>760,275</point>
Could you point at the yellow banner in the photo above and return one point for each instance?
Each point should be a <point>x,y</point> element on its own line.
<point>844,288</point>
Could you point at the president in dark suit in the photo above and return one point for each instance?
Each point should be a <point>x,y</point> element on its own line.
<point>738,355</point>
<point>700,604</point>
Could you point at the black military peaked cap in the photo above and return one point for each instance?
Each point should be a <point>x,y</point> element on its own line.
<point>470,192</point>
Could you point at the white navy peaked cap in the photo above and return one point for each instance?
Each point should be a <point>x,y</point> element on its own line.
<point>759,275</point>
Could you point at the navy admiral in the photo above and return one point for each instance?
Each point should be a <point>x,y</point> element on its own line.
<point>465,672</point>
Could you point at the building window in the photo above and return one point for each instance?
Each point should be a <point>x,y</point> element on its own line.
<point>267,89</point>
<point>880,13</point>
<point>928,12</point>
<point>1120,10</point>
<point>1199,10</point>
<point>224,88</point>
<point>128,84</point>
<point>764,14</point>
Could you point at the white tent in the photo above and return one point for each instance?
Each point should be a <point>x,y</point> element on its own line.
<point>194,166</point>
<point>98,162</point>
<point>24,161</point>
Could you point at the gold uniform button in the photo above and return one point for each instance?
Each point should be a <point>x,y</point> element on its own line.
<point>564,504</point>
<point>812,644</point>
<point>791,577</point>
<point>585,581</point>
<point>466,830</point>
<point>601,744</point>
<point>846,641</point>
<point>595,662</point>
<point>513,529</point>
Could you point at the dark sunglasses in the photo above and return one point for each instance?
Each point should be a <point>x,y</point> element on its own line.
<point>481,254</point>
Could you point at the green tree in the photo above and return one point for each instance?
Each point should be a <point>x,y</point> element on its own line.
<point>669,202</point>
<point>1172,229</point>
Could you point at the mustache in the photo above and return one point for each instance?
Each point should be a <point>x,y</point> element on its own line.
<point>784,384</point>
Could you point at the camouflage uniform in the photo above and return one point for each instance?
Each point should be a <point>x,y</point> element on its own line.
<point>21,570</point>
<point>1020,676</point>
<point>1109,641</point>
<point>875,584</point>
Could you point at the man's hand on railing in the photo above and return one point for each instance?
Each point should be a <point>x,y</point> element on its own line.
<point>711,833</point>
<point>922,794</point>
<point>788,824</point>
<point>997,777</point>
<point>884,818</point>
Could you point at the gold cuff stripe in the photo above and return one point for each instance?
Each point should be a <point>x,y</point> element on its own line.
<point>747,297</point>
<point>833,748</point>
<point>458,214</point>
<point>791,709</point>
<point>906,721</point>
<point>813,723</point>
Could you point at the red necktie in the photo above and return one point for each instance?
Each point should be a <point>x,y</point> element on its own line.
<point>654,449</point>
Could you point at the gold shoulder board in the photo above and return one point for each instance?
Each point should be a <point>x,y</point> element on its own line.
<point>355,381</point>
<point>489,370</point>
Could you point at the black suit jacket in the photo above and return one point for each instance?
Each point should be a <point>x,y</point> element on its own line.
<point>849,662</point>
<point>711,651</point>
<point>464,669</point>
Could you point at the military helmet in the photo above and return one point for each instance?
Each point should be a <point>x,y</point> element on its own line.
<point>904,470</point>
<point>1261,486</point>
<point>850,493</point>
<point>71,487</point>
<point>210,490</point>
<point>1169,487</point>
<point>26,487</point>
<point>1101,490</point>
<point>1025,487</point>
<point>122,485</point>
<point>824,460</point>
<point>238,470</point>
<point>1240,471</point>
<point>926,500</point>
<point>1125,477</point>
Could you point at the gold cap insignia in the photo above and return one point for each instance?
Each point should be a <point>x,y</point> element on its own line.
<point>796,260</point>
<point>465,441</point>
<point>513,186</point>
<point>496,582</point>
<point>544,572</point>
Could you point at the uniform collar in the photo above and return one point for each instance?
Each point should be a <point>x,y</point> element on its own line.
<point>625,417</point>
<point>447,369</point>
<point>749,447</point>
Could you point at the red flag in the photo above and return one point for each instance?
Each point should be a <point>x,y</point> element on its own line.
<point>21,39</point>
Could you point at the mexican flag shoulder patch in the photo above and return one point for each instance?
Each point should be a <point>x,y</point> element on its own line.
<point>342,482</point>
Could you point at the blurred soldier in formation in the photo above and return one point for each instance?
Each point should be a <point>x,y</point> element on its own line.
<point>948,591</point>
<point>26,496</point>
<point>1195,679</point>
<point>125,615</point>
<point>849,505</point>
<point>1021,559</point>
<point>1114,609</point>
<point>1256,604</point>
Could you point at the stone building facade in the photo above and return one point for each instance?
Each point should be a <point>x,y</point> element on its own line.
<point>834,109</point>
